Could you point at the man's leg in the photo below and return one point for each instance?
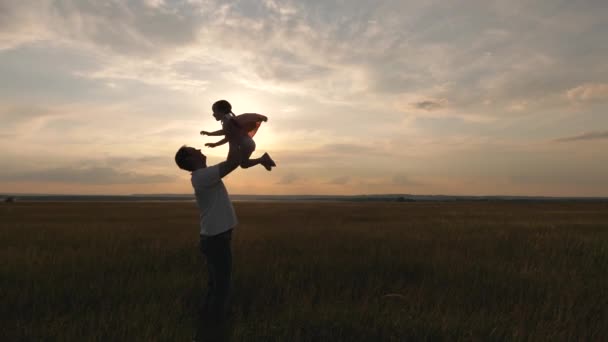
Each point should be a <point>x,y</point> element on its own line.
<point>211,275</point>
<point>223,267</point>
<point>211,325</point>
<point>202,322</point>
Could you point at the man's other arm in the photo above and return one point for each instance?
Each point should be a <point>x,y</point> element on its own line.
<point>232,161</point>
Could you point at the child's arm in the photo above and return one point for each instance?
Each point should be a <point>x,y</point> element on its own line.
<point>214,134</point>
<point>221,142</point>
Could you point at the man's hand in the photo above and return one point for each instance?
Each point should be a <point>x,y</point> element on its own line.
<point>204,133</point>
<point>210,145</point>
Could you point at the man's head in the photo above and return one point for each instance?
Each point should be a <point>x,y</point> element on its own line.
<point>221,108</point>
<point>190,159</point>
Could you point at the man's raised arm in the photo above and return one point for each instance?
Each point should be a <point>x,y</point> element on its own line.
<point>232,161</point>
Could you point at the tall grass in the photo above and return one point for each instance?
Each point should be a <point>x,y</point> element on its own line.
<point>309,271</point>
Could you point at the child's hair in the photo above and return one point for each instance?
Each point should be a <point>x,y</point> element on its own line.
<point>222,106</point>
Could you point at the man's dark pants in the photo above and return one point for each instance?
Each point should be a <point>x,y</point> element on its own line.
<point>213,309</point>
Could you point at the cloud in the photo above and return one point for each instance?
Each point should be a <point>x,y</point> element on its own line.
<point>345,156</point>
<point>144,161</point>
<point>154,73</point>
<point>21,22</point>
<point>307,49</point>
<point>588,92</point>
<point>288,179</point>
<point>87,175</point>
<point>23,119</point>
<point>24,112</point>
<point>155,3</point>
<point>585,136</point>
<point>344,148</point>
<point>129,28</point>
<point>139,41</point>
<point>373,88</point>
<point>586,177</point>
<point>340,180</point>
<point>389,184</point>
<point>403,180</point>
<point>429,105</point>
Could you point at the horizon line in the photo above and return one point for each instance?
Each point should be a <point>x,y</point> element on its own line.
<point>13,194</point>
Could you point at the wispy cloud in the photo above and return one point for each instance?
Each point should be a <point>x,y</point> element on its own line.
<point>340,180</point>
<point>288,179</point>
<point>356,92</point>
<point>86,175</point>
<point>429,105</point>
<point>585,136</point>
<point>588,92</point>
<point>401,179</point>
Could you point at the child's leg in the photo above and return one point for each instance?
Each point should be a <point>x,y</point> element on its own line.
<point>247,146</point>
<point>264,160</point>
<point>250,162</point>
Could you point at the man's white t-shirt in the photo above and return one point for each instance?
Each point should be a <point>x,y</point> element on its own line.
<point>216,211</point>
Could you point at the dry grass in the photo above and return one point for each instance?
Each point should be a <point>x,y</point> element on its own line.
<point>309,271</point>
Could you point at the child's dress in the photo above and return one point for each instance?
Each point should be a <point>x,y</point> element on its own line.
<point>248,123</point>
<point>244,126</point>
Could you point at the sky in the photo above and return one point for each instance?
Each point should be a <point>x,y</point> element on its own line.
<point>471,97</point>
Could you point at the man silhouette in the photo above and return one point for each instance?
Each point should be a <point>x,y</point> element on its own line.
<point>217,220</point>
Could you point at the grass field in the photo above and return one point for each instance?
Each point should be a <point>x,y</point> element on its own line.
<point>309,271</point>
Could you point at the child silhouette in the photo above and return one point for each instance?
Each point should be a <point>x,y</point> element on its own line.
<point>242,128</point>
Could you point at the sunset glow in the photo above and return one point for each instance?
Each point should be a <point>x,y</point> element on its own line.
<point>439,97</point>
